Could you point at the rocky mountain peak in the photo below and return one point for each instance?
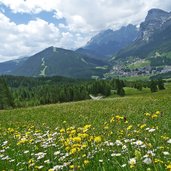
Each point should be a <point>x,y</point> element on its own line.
<point>156,14</point>
<point>153,21</point>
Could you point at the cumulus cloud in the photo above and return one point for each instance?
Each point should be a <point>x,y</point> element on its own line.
<point>31,6</point>
<point>96,14</point>
<point>84,18</point>
<point>27,39</point>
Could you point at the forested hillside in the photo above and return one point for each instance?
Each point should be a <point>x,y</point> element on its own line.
<point>28,91</point>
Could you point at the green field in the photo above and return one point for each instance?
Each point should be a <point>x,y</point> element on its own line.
<point>112,134</point>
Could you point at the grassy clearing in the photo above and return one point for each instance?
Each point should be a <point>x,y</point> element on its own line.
<point>129,133</point>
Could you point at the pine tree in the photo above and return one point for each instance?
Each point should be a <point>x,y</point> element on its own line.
<point>119,87</point>
<point>161,84</point>
<point>6,99</point>
<point>153,86</point>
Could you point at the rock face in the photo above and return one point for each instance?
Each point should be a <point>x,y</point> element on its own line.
<point>109,42</point>
<point>154,35</point>
<point>154,21</point>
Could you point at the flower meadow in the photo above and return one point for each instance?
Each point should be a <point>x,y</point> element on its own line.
<point>122,145</point>
<point>115,134</point>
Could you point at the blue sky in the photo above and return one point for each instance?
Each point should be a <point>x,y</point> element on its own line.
<point>24,18</point>
<point>29,26</point>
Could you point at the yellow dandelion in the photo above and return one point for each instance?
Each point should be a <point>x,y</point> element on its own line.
<point>142,126</point>
<point>86,162</point>
<point>154,116</point>
<point>129,127</point>
<point>73,151</point>
<point>98,139</point>
<point>112,119</point>
<point>157,112</point>
<point>169,166</point>
<point>77,139</point>
<point>147,114</point>
<point>62,130</point>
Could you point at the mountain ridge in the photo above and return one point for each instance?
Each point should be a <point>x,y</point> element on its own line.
<point>154,31</point>
<point>57,61</point>
<point>109,42</point>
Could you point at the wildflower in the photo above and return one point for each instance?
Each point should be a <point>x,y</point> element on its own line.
<point>119,117</point>
<point>169,141</point>
<point>124,165</point>
<point>47,161</point>
<point>116,154</point>
<point>154,116</point>
<point>138,142</point>
<point>169,167</point>
<point>84,146</point>
<point>151,130</point>
<point>51,170</point>
<point>142,126</point>
<point>147,161</point>
<point>56,153</point>
<point>76,139</point>
<point>106,127</point>
<point>164,137</point>
<point>147,114</point>
<point>4,143</point>
<point>98,139</point>
<point>157,112</point>
<point>84,135</point>
<point>150,153</point>
<point>71,166</point>
<point>158,161</point>
<point>25,152</point>
<point>132,162</point>
<point>166,153</point>
<point>129,127</point>
<point>86,162</point>
<point>38,167</point>
<point>73,131</point>
<point>87,126</point>
<point>118,143</point>
<point>124,147</point>
<point>62,130</point>
<point>112,119</point>
<point>31,161</point>
<point>73,150</point>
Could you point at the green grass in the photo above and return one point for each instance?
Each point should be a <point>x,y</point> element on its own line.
<point>139,64</point>
<point>136,78</point>
<point>61,128</point>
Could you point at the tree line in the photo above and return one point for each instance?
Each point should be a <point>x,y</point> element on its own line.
<point>25,91</point>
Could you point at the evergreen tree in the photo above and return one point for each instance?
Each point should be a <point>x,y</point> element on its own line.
<point>153,86</point>
<point>119,87</point>
<point>161,84</point>
<point>6,99</point>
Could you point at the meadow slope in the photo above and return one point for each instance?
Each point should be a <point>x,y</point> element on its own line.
<point>122,133</point>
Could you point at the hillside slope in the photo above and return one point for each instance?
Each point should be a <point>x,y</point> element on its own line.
<point>55,61</point>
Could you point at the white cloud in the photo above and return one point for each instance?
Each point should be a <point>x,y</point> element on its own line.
<point>34,6</point>
<point>84,18</point>
<point>26,39</point>
<point>96,14</point>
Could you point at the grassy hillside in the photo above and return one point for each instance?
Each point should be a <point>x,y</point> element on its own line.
<point>128,133</point>
<point>56,61</point>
